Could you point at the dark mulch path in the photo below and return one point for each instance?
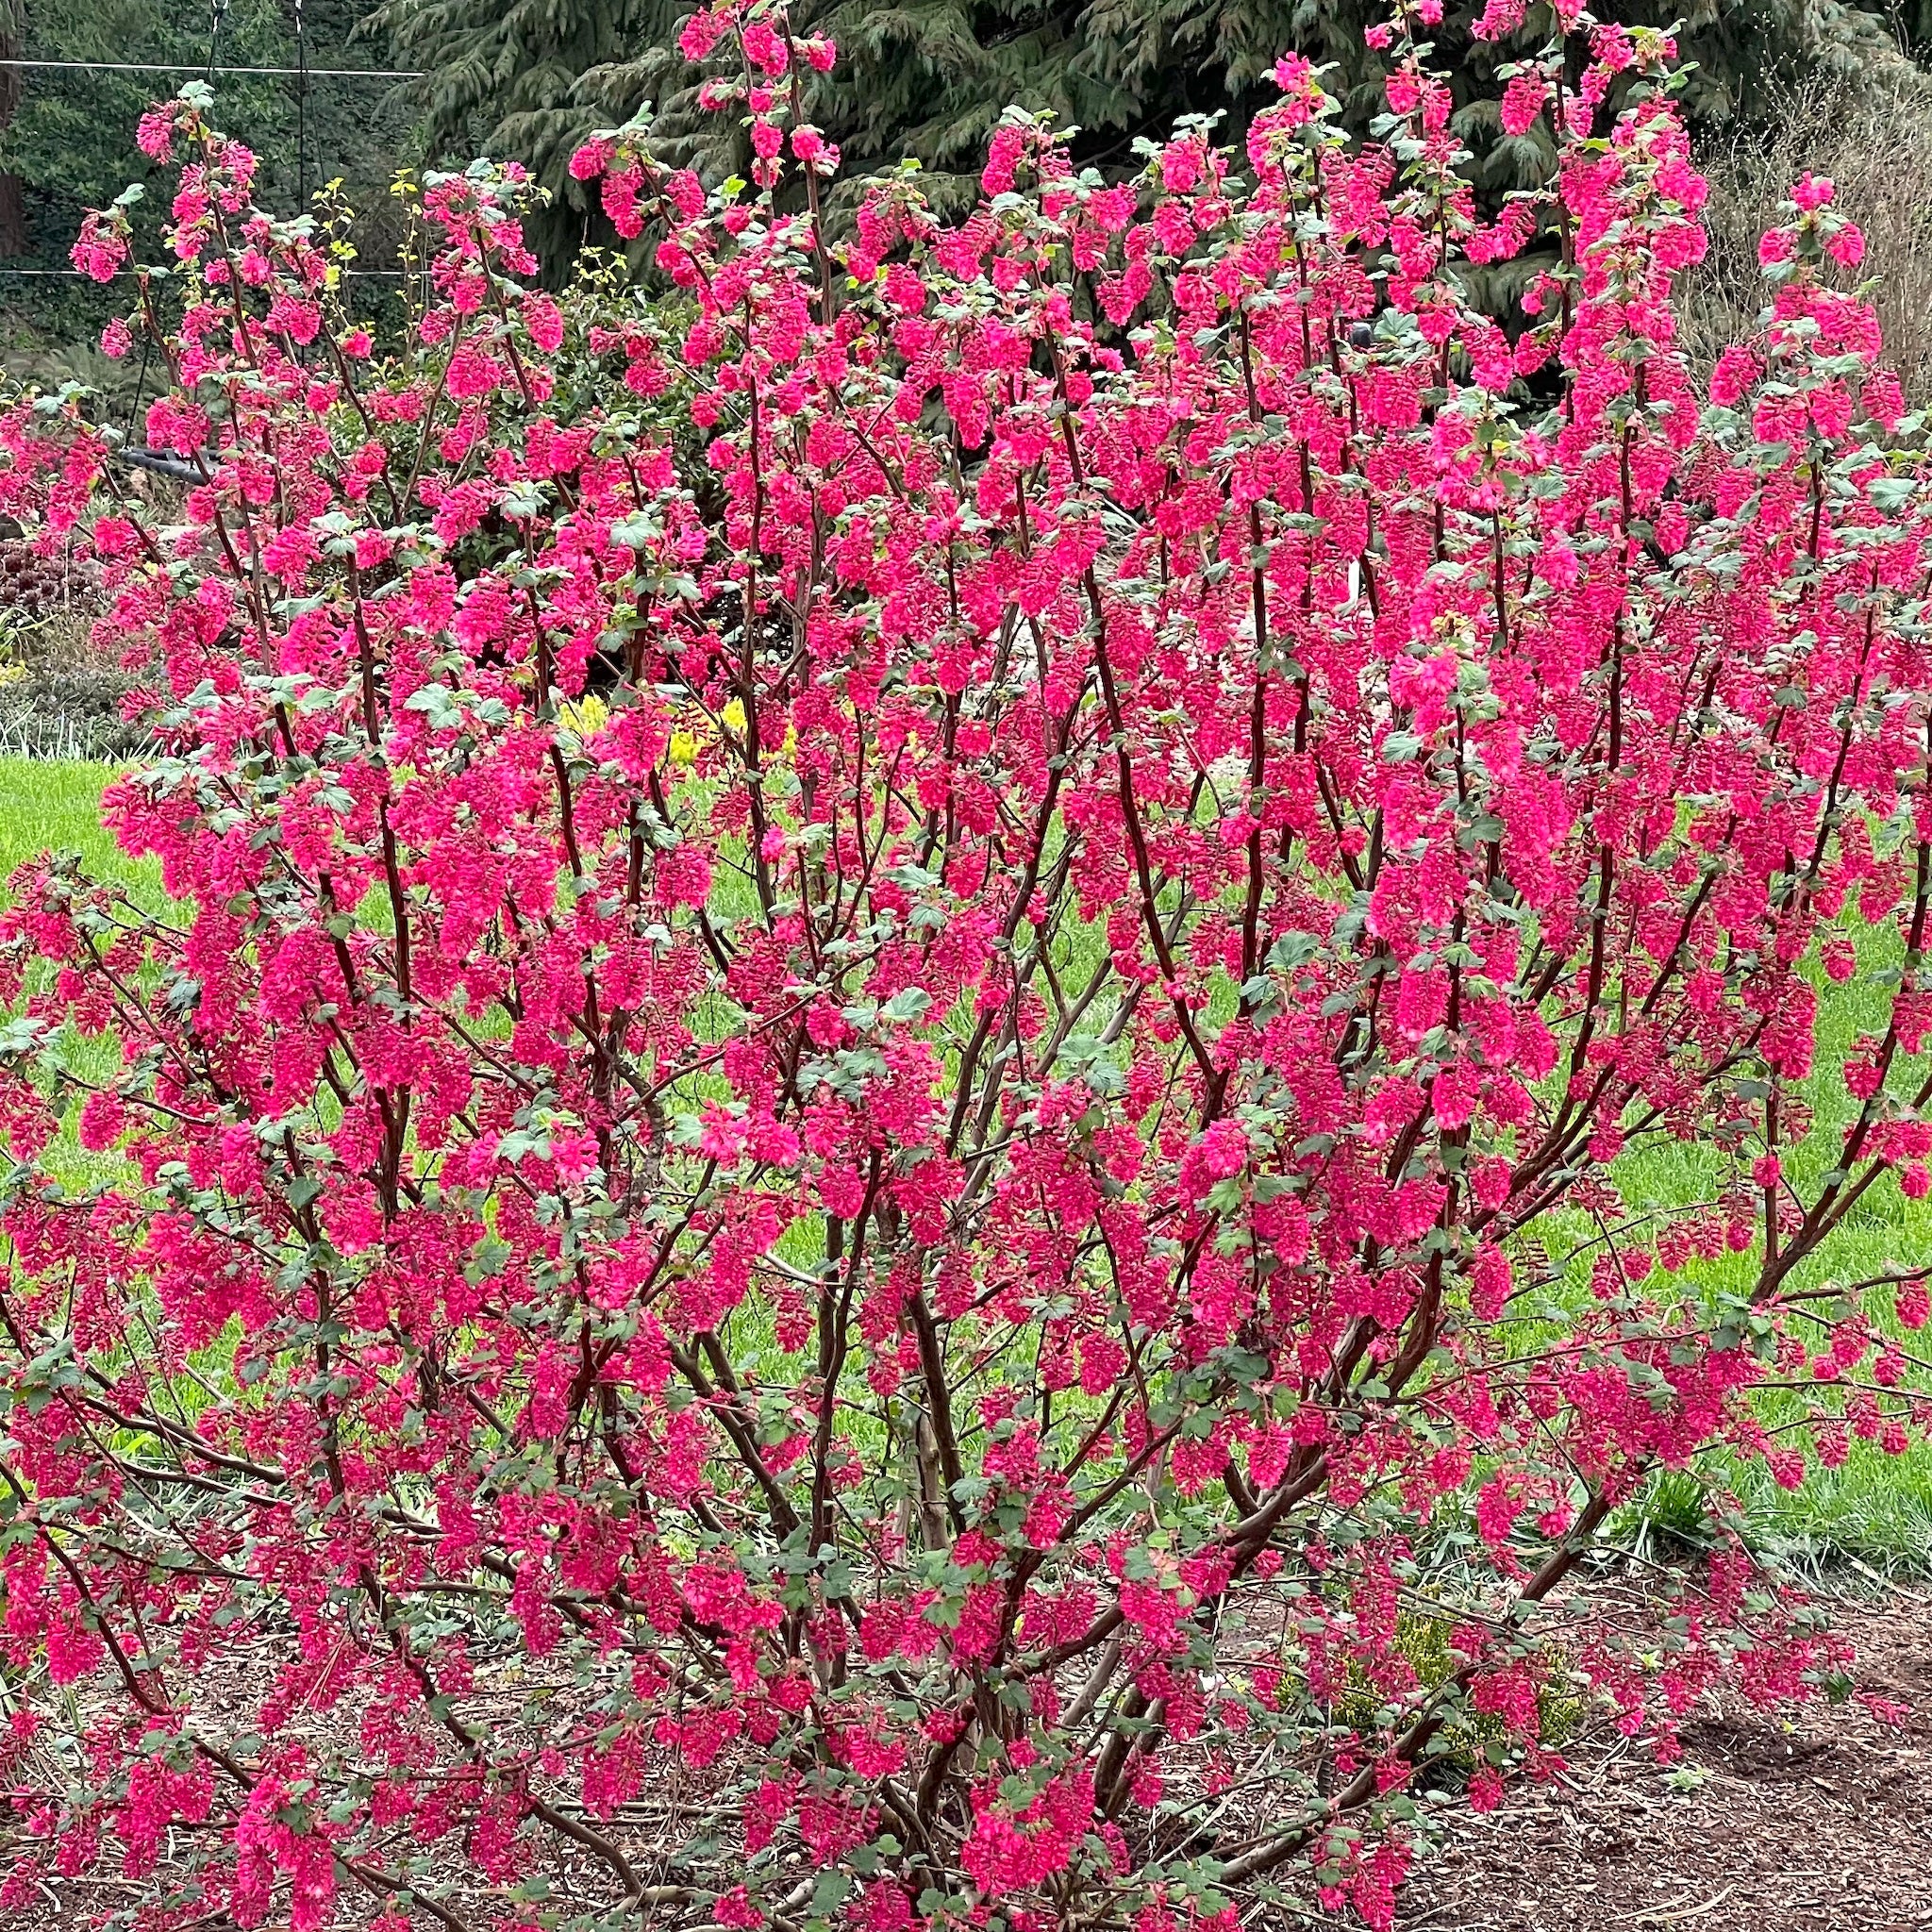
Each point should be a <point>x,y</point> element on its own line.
<point>1822,1824</point>
<point>1807,1825</point>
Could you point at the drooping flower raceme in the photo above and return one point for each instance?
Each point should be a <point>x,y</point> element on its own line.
<point>910,1016</point>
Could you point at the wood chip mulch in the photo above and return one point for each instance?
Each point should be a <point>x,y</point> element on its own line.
<point>1811,1823</point>
<point>1817,1823</point>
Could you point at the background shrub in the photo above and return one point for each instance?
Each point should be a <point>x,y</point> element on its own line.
<point>910,1033</point>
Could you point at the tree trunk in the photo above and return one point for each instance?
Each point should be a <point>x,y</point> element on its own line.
<point>12,196</point>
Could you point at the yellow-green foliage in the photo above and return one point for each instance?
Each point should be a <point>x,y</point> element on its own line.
<point>1467,1737</point>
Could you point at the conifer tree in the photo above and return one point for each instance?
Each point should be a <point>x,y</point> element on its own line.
<point>929,79</point>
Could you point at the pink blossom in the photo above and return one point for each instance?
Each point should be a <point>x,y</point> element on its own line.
<point>850,995</point>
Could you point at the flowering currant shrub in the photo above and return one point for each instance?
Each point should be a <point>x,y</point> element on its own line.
<point>835,1175</point>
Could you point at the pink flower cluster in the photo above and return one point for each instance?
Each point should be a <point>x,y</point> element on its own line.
<point>899,1017</point>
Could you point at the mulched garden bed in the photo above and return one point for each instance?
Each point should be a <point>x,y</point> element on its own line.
<point>1807,1825</point>
<point>1767,1823</point>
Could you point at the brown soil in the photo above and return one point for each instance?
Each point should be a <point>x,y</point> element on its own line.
<point>1818,1823</point>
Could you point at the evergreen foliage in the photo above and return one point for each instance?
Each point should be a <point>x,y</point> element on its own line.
<point>67,139</point>
<point>929,79</point>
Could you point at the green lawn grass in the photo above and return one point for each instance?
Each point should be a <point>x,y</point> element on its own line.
<point>1876,1511</point>
<point>55,806</point>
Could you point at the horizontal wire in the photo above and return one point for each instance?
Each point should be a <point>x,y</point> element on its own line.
<point>359,274</point>
<point>145,67</point>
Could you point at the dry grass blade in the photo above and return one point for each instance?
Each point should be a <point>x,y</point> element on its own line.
<point>1872,136</point>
